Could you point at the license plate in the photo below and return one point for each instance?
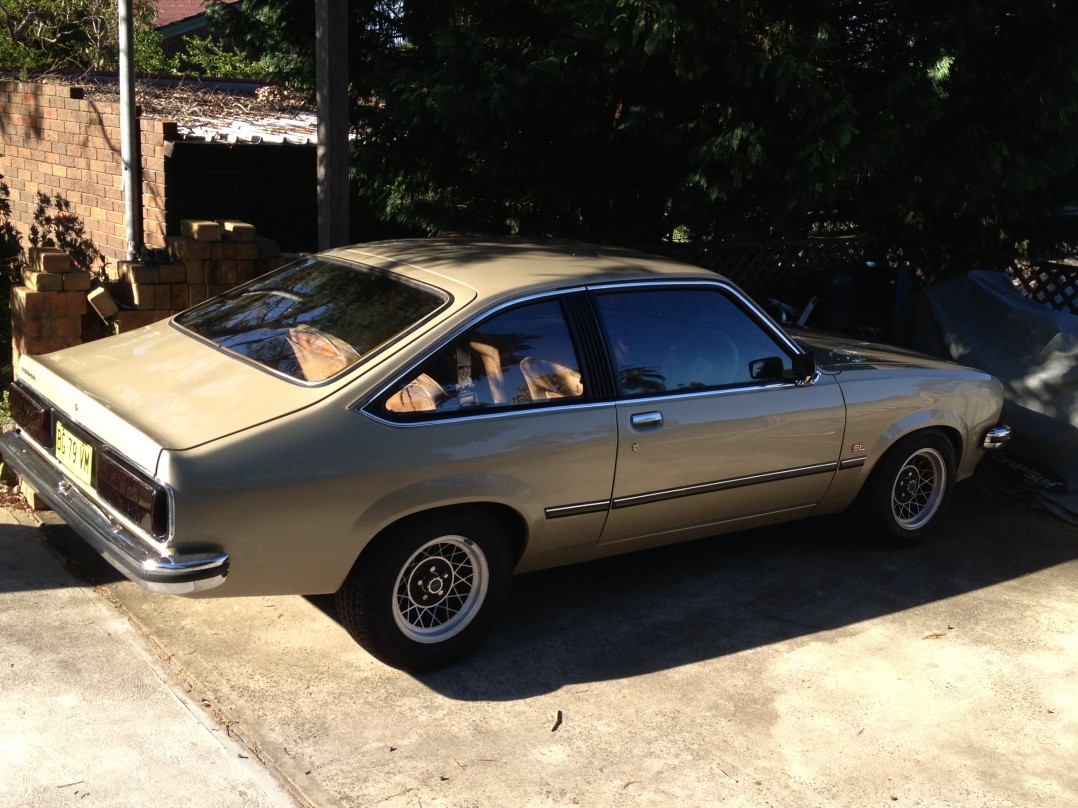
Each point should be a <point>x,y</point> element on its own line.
<point>74,454</point>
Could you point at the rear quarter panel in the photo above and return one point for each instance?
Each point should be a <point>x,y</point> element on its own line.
<point>295,501</point>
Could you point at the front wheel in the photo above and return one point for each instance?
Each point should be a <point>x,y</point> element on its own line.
<point>909,489</point>
<point>428,591</point>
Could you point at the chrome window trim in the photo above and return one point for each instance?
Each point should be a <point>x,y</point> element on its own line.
<point>713,391</point>
<point>757,315</point>
<point>459,415</point>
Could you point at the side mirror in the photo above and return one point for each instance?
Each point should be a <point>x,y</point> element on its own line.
<point>804,367</point>
<point>768,368</point>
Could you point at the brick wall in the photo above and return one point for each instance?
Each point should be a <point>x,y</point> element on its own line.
<point>56,142</point>
<point>58,305</point>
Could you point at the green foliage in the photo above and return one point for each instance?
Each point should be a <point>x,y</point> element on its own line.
<point>633,120</point>
<point>65,34</point>
<point>277,36</point>
<point>10,245</point>
<point>83,35</point>
<point>10,269</point>
<point>208,58</point>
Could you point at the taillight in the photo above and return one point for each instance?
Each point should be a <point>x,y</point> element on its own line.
<point>30,414</point>
<point>133,494</point>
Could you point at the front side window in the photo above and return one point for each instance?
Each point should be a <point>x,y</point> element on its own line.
<point>680,340</point>
<point>515,358</point>
<point>314,319</point>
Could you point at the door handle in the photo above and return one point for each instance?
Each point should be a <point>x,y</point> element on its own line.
<point>653,418</point>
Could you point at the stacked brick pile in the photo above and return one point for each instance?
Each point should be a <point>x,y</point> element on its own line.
<point>209,258</point>
<point>47,310</point>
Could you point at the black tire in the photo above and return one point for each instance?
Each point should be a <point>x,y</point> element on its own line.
<point>427,592</point>
<point>909,489</point>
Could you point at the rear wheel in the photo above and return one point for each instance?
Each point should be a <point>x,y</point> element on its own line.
<point>428,591</point>
<point>909,490</point>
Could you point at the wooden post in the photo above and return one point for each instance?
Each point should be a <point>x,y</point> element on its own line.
<point>331,44</point>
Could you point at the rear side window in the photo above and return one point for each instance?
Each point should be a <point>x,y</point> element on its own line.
<point>516,358</point>
<point>315,319</point>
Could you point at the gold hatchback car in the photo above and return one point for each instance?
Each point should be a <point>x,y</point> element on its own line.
<point>409,423</point>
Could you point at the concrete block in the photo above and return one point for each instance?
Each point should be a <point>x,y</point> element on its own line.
<point>102,302</point>
<point>175,272</point>
<point>27,303</point>
<point>237,231</point>
<point>77,281</point>
<point>186,248</point>
<point>58,304</point>
<point>143,274</point>
<point>245,271</point>
<point>35,502</point>
<point>162,297</point>
<point>43,281</point>
<point>200,229</point>
<point>49,259</point>
<point>180,298</point>
<point>142,296</point>
<point>196,271</point>
<point>66,328</point>
<point>224,250</point>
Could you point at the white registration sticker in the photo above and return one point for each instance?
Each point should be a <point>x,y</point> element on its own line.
<point>74,454</point>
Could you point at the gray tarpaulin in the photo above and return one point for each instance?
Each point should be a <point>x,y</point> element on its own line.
<point>982,320</point>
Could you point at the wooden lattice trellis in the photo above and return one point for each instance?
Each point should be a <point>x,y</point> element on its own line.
<point>775,269</point>
<point>1054,285</point>
<point>766,269</point>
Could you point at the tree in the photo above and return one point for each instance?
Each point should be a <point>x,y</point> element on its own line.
<point>68,34</point>
<point>81,35</point>
<point>637,120</point>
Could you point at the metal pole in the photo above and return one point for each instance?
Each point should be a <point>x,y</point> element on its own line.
<point>331,62</point>
<point>130,152</point>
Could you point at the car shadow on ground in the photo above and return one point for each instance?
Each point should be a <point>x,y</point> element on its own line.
<point>687,603</point>
<point>679,605</point>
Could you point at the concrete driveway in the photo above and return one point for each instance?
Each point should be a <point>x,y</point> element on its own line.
<point>789,666</point>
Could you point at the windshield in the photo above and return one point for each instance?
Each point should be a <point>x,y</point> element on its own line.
<point>314,319</point>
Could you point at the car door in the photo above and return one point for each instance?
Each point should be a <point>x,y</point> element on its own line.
<point>714,428</point>
<point>505,413</point>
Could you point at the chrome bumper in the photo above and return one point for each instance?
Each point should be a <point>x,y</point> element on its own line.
<point>181,574</point>
<point>996,437</point>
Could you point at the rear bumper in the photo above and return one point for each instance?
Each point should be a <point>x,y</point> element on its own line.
<point>180,574</point>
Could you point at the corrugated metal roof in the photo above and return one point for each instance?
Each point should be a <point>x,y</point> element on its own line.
<point>294,128</point>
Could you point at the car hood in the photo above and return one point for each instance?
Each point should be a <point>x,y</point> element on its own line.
<point>836,353</point>
<point>161,388</point>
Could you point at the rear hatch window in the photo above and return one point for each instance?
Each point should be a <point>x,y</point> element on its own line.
<point>312,320</point>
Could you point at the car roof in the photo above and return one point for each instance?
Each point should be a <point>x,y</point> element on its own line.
<point>495,267</point>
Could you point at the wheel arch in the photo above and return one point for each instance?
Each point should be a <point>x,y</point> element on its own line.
<point>905,429</point>
<point>511,523</point>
